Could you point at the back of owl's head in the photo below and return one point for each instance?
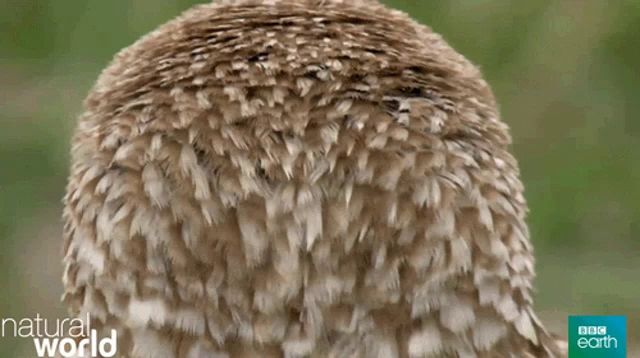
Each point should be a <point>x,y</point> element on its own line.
<point>291,65</point>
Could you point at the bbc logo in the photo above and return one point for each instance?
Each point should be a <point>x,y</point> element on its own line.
<point>592,330</point>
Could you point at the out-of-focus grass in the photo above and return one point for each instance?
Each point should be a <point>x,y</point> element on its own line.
<point>565,73</point>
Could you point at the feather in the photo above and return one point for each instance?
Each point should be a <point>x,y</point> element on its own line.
<point>425,341</point>
<point>295,178</point>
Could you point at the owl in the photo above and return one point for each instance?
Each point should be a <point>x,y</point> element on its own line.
<point>298,178</point>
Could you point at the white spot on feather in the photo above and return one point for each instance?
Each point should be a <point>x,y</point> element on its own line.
<point>426,341</point>
<point>524,326</point>
<point>142,312</point>
<point>457,315</point>
<point>487,332</point>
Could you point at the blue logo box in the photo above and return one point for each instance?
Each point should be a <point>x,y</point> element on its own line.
<point>597,337</point>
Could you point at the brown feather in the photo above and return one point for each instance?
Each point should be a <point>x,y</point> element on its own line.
<point>299,178</point>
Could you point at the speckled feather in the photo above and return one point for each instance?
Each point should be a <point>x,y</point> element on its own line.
<point>304,178</point>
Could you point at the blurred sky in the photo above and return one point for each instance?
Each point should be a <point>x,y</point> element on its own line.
<point>565,72</point>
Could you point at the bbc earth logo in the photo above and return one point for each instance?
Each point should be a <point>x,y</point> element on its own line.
<point>597,337</point>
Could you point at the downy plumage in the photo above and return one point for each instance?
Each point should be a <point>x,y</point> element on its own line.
<point>298,178</point>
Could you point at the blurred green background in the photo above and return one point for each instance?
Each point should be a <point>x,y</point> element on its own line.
<point>566,73</point>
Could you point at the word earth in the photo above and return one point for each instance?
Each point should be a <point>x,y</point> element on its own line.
<point>598,342</point>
